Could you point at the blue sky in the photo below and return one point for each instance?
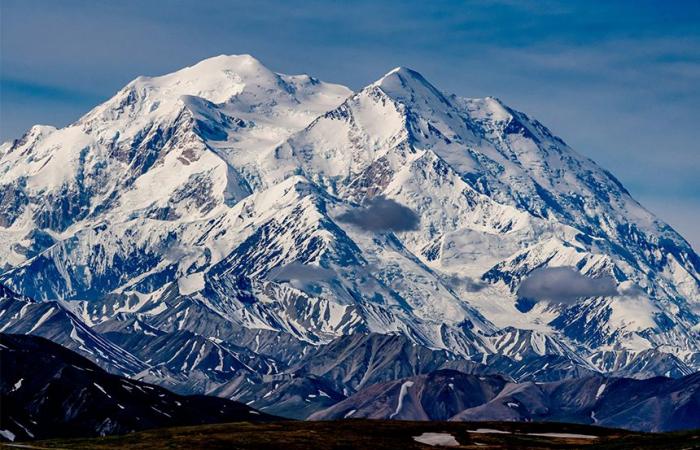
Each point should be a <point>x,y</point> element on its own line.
<point>617,80</point>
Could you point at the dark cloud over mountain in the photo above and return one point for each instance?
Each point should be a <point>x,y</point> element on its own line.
<point>564,285</point>
<point>301,274</point>
<point>382,214</point>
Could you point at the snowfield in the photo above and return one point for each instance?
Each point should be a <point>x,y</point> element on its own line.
<point>442,439</point>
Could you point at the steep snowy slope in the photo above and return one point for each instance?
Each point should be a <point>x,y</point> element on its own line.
<point>225,200</point>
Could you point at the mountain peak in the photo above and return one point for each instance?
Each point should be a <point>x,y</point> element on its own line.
<point>242,64</point>
<point>403,71</point>
<point>402,77</point>
<point>406,85</point>
<point>215,79</point>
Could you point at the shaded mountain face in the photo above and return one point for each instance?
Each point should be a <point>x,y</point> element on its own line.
<point>654,404</point>
<point>268,370</point>
<point>435,396</point>
<point>53,320</point>
<point>49,391</point>
<point>286,395</point>
<point>223,209</point>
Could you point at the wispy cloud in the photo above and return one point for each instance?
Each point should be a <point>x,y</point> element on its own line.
<point>467,283</point>
<point>14,88</point>
<point>301,275</point>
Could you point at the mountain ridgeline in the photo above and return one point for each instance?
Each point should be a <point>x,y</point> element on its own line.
<point>48,391</point>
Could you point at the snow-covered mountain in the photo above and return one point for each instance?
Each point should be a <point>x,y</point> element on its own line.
<point>226,209</point>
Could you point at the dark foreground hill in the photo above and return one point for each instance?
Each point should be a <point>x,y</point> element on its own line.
<point>48,391</point>
<point>383,434</point>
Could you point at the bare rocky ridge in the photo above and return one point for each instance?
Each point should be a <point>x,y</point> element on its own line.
<point>654,404</point>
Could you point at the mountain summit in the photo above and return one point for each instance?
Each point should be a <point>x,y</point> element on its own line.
<point>224,208</point>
